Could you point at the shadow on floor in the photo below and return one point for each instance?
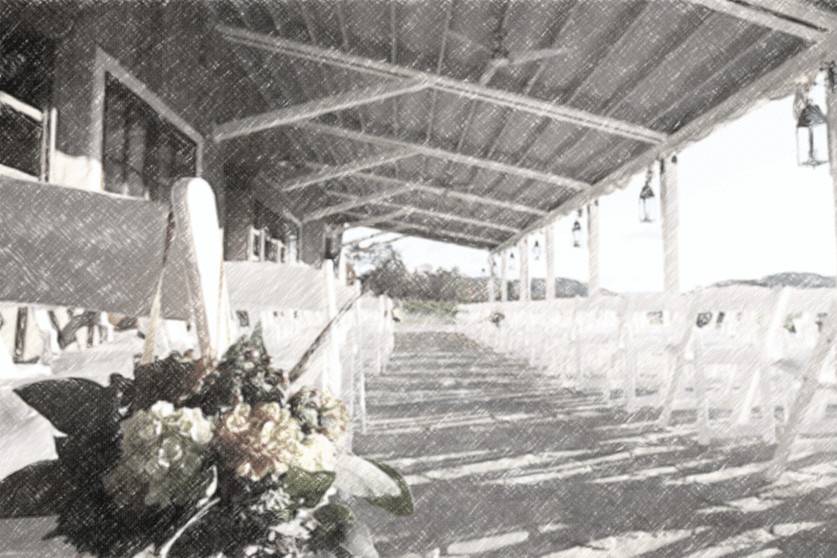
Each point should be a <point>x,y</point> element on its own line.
<point>505,463</point>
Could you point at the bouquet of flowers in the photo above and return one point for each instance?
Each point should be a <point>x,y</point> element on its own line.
<point>195,461</point>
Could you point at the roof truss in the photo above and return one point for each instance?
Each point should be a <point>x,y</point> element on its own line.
<point>445,155</point>
<point>339,171</point>
<point>317,107</point>
<point>439,215</point>
<point>374,219</point>
<point>357,202</point>
<point>433,233</point>
<point>788,16</point>
<point>451,193</point>
<point>777,81</point>
<point>524,103</point>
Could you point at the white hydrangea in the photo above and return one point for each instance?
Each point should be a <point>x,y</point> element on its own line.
<point>317,453</point>
<point>163,449</point>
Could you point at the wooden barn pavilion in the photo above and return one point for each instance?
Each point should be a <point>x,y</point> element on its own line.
<point>476,123</point>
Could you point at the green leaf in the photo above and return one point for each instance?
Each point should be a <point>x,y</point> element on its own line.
<point>37,489</point>
<point>396,505</point>
<point>333,521</point>
<point>361,478</point>
<point>75,406</point>
<point>308,486</point>
<point>340,532</point>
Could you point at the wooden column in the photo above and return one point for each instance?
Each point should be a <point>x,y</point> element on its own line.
<point>549,250</point>
<point>525,279</point>
<point>593,282</point>
<point>504,276</point>
<point>490,289</point>
<point>670,217</point>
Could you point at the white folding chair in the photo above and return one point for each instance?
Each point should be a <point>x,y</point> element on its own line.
<point>598,344</point>
<point>728,353</point>
<point>62,247</point>
<point>654,330</point>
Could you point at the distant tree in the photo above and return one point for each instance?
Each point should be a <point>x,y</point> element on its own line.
<point>386,272</point>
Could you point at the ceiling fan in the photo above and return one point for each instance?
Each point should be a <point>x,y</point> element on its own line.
<point>501,57</point>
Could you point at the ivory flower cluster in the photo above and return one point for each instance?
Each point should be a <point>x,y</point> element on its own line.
<point>259,441</point>
<point>163,450</point>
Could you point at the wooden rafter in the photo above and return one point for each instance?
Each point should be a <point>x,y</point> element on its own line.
<point>453,86</point>
<point>439,153</point>
<point>777,80</point>
<point>338,171</point>
<point>451,193</point>
<point>441,215</point>
<point>433,233</point>
<point>374,219</point>
<point>615,48</point>
<point>274,200</point>
<point>793,18</point>
<point>357,202</point>
<point>312,109</point>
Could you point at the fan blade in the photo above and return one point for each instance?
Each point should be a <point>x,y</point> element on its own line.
<point>466,39</point>
<point>527,56</point>
<point>489,72</point>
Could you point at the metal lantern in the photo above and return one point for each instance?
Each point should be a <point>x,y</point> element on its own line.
<point>645,197</point>
<point>811,136</point>
<point>536,250</point>
<point>577,234</point>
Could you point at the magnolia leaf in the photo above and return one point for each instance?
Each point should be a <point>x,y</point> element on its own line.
<point>358,477</point>
<point>75,406</point>
<point>402,504</point>
<point>209,486</point>
<point>307,486</point>
<point>35,490</point>
<point>333,522</point>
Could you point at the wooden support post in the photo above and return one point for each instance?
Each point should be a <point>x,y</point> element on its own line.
<point>525,278</point>
<point>593,282</point>
<point>828,335</point>
<point>332,378</point>
<point>549,249</point>
<point>343,267</point>
<point>670,217</point>
<point>490,287</point>
<point>504,276</point>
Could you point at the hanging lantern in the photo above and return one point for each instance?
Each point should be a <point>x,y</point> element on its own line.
<point>645,197</point>
<point>536,250</point>
<point>811,136</point>
<point>577,234</point>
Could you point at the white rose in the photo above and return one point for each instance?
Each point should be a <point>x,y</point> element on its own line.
<point>162,409</point>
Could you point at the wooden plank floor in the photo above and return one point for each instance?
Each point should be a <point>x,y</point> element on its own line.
<point>504,463</point>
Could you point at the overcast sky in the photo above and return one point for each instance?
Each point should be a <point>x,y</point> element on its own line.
<point>746,210</point>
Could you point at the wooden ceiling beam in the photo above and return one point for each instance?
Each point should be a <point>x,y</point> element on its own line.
<point>451,193</point>
<point>778,81</point>
<point>374,219</point>
<point>274,200</point>
<point>445,155</point>
<point>442,215</point>
<point>433,233</point>
<point>357,202</point>
<point>787,16</point>
<point>466,89</point>
<point>339,171</point>
<point>312,109</point>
